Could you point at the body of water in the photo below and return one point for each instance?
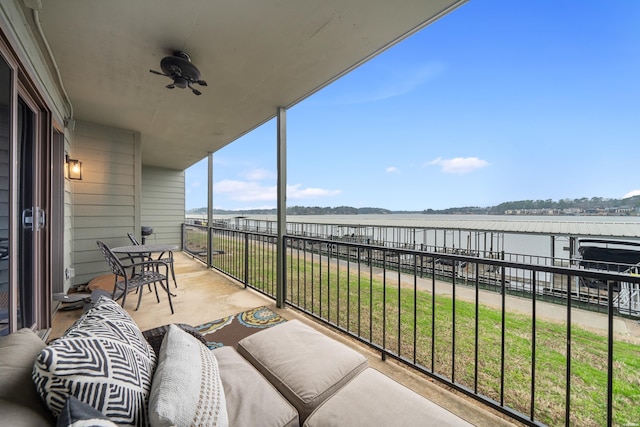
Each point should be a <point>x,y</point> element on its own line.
<point>518,239</point>
<point>433,230</point>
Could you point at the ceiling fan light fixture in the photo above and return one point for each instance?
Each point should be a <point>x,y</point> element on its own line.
<point>179,68</point>
<point>180,82</point>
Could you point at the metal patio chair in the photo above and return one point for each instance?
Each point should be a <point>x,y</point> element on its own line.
<point>136,275</point>
<point>168,259</point>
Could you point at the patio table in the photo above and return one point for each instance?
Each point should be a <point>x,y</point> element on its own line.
<point>144,249</point>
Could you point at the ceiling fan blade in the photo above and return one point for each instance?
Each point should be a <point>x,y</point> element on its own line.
<point>196,91</point>
<point>158,73</point>
<point>202,83</point>
<point>171,86</point>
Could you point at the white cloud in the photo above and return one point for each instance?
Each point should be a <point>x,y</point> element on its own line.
<point>631,194</point>
<point>247,191</point>
<point>459,165</point>
<point>244,190</point>
<point>391,169</point>
<point>259,175</point>
<point>295,192</point>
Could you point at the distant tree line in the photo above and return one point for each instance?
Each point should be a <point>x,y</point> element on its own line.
<point>339,210</point>
<point>584,204</point>
<point>299,210</point>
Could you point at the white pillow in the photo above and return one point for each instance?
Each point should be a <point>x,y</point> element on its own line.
<point>186,388</point>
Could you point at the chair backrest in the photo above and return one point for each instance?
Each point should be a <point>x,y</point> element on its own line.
<point>114,263</point>
<point>133,239</point>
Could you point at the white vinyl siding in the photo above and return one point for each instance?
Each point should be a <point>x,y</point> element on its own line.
<point>104,201</point>
<point>163,203</point>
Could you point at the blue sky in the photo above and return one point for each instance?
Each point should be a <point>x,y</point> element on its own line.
<point>500,100</point>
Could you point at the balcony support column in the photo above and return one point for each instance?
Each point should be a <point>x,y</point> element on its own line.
<point>282,206</point>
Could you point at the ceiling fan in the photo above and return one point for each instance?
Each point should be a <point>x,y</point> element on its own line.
<point>179,68</point>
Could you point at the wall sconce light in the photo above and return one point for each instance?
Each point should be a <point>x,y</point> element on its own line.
<point>74,168</point>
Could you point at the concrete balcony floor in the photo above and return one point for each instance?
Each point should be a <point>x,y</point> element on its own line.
<point>204,295</point>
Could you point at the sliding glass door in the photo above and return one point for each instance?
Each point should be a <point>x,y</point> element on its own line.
<point>5,190</point>
<point>28,210</point>
<point>26,171</point>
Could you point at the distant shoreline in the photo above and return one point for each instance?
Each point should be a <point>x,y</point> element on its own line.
<point>274,212</point>
<point>595,206</point>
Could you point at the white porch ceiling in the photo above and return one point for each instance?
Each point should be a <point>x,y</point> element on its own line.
<point>255,56</point>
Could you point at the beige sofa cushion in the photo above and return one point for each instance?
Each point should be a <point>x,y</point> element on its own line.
<point>251,399</point>
<point>16,415</point>
<point>373,399</point>
<point>304,365</point>
<point>18,352</point>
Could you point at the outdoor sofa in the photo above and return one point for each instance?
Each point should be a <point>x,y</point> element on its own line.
<point>104,370</point>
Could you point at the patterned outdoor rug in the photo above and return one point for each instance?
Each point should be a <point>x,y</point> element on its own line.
<point>231,329</point>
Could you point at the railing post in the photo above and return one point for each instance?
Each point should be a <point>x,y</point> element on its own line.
<point>209,246</point>
<point>183,237</point>
<point>210,210</point>
<point>246,259</point>
<point>610,338</point>
<point>567,405</point>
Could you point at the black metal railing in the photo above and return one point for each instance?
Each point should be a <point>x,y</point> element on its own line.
<point>246,256</point>
<point>455,318</point>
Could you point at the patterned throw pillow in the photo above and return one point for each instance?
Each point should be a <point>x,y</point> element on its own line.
<point>104,361</point>
<point>78,414</point>
<point>187,389</point>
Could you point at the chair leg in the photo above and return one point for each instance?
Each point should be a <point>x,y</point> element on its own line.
<point>155,286</point>
<point>125,291</point>
<point>169,295</point>
<point>173,274</point>
<point>139,298</point>
<point>115,290</point>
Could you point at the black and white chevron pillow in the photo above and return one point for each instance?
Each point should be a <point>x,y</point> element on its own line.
<point>79,414</point>
<point>104,361</point>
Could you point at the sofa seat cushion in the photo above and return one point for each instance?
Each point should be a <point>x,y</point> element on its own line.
<point>306,366</point>
<point>18,394</point>
<point>186,390</point>
<point>251,399</point>
<point>16,415</point>
<point>104,361</point>
<point>372,398</point>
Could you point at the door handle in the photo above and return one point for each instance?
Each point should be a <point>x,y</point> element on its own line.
<point>41,218</point>
<point>27,219</point>
<point>34,224</point>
